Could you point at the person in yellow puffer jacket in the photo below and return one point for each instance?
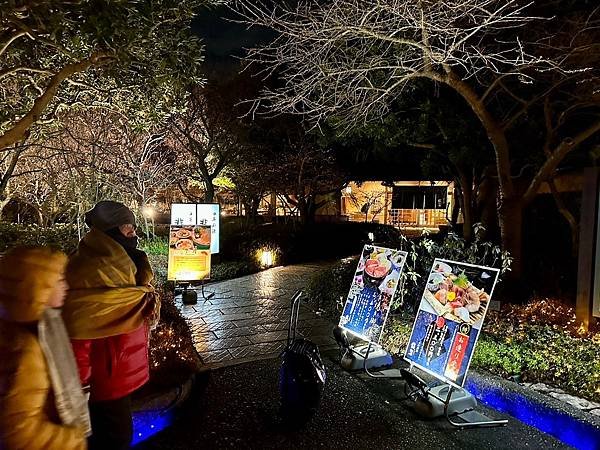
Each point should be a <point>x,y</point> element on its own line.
<point>31,282</point>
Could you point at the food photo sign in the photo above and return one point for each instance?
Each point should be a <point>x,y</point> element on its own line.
<point>373,287</point>
<point>453,306</point>
<point>189,245</point>
<point>199,214</point>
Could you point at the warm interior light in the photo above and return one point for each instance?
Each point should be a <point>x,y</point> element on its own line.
<point>149,211</point>
<point>266,258</point>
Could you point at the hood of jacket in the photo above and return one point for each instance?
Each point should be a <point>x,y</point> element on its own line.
<point>28,276</point>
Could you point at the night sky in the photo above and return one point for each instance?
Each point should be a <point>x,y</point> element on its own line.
<point>225,41</point>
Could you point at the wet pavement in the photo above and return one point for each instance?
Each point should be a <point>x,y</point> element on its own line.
<point>247,318</point>
<point>237,407</point>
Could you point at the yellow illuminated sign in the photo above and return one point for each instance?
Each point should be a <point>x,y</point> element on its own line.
<point>189,253</point>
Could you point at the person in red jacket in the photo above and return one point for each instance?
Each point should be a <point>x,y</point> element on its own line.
<point>107,313</point>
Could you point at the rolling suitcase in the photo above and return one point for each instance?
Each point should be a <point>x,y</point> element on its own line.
<point>302,374</point>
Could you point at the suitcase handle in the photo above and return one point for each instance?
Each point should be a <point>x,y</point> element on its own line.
<point>294,313</point>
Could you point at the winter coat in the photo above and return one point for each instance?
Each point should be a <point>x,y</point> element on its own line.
<point>28,415</point>
<point>113,366</point>
<point>105,313</point>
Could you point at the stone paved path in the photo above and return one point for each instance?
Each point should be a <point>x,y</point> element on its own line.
<point>247,318</point>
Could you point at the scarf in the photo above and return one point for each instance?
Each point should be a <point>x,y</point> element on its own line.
<point>109,295</point>
<point>69,398</point>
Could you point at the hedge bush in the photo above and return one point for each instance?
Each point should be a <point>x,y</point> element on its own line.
<point>61,237</point>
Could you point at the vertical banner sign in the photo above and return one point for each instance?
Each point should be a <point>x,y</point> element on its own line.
<point>210,214</point>
<point>372,290</point>
<point>183,214</point>
<point>189,245</point>
<point>449,319</point>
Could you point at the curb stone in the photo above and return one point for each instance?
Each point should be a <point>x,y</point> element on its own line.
<point>166,400</point>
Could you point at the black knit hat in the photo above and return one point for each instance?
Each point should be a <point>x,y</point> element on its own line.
<point>108,214</point>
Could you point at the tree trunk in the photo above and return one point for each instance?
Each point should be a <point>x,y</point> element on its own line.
<point>306,208</point>
<point>455,208</point>
<point>3,203</point>
<point>209,193</point>
<point>510,211</point>
<point>568,216</point>
<point>302,210</point>
<point>510,216</point>
<point>466,188</point>
<point>40,217</point>
<point>254,204</point>
<point>486,205</point>
<point>273,206</point>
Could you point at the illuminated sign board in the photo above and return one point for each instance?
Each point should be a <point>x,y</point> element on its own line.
<point>199,214</point>
<point>449,319</point>
<point>189,253</point>
<point>373,287</point>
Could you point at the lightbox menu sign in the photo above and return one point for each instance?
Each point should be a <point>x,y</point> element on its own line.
<point>453,306</point>
<point>189,253</point>
<point>373,287</point>
<point>205,214</point>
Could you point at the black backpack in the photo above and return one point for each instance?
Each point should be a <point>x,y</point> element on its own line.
<point>302,374</point>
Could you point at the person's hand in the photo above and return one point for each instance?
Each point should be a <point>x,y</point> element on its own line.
<point>152,310</point>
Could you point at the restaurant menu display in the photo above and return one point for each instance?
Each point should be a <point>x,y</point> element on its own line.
<point>199,214</point>
<point>372,290</point>
<point>189,252</point>
<point>449,319</point>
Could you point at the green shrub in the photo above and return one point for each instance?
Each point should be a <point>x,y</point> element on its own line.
<point>227,270</point>
<point>296,244</point>
<point>155,246</point>
<point>328,289</point>
<point>61,237</point>
<point>220,271</point>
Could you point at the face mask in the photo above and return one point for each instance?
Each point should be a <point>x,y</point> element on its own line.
<point>126,242</point>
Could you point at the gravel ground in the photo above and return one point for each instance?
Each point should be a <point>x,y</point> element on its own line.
<point>236,407</point>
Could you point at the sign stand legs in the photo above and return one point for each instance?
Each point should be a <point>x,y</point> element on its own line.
<point>377,356</point>
<point>361,357</point>
<point>445,400</point>
<point>483,422</point>
<point>190,296</point>
<point>204,296</point>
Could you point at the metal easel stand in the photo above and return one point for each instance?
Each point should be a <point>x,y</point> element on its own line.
<point>364,357</point>
<point>445,400</point>
<point>380,355</point>
<point>480,421</point>
<point>204,296</point>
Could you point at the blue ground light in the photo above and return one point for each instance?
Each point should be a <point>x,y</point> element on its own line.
<point>560,425</point>
<point>148,423</point>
